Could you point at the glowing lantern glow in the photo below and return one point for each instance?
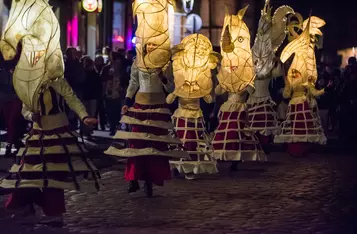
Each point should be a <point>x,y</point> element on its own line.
<point>153,30</point>
<point>34,24</point>
<point>90,5</point>
<point>237,70</point>
<point>303,47</point>
<point>100,5</point>
<point>193,61</point>
<point>133,40</point>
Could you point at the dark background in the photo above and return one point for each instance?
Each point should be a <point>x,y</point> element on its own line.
<point>340,30</point>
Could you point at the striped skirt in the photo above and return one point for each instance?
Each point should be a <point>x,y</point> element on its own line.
<point>302,124</point>
<point>149,144</point>
<point>52,159</point>
<point>263,118</point>
<point>193,134</point>
<point>234,141</point>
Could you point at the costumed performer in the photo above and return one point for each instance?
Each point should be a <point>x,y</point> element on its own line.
<point>302,126</point>
<point>193,60</point>
<point>233,139</point>
<point>150,143</point>
<point>261,108</point>
<point>53,159</point>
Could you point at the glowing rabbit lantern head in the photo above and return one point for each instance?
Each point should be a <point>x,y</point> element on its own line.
<point>304,61</point>
<point>33,24</point>
<point>193,60</point>
<point>152,34</point>
<point>237,70</point>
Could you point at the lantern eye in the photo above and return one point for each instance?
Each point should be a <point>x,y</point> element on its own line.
<point>240,39</point>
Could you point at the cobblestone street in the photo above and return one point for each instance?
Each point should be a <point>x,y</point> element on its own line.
<point>285,195</point>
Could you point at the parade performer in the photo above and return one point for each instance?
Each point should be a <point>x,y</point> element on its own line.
<point>52,159</point>
<point>193,61</point>
<point>261,108</point>
<point>301,126</point>
<point>233,139</point>
<point>150,144</point>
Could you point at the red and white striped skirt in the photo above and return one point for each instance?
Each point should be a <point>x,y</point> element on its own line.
<point>301,125</point>
<point>263,118</point>
<point>234,141</point>
<point>193,134</point>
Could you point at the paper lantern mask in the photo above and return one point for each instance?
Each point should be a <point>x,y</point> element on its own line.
<point>271,34</point>
<point>33,24</point>
<point>303,47</point>
<point>193,60</point>
<point>237,70</point>
<point>152,34</point>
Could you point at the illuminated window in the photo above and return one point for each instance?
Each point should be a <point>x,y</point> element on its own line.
<point>118,25</point>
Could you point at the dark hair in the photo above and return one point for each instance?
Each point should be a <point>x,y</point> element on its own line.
<point>352,60</point>
<point>117,56</point>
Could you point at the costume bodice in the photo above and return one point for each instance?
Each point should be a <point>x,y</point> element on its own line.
<point>237,97</point>
<point>261,88</point>
<point>189,103</point>
<point>149,82</point>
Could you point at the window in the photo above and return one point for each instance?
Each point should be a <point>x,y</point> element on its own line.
<point>118,25</point>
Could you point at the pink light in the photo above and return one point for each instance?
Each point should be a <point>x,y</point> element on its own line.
<point>119,39</point>
<point>69,29</point>
<point>75,31</point>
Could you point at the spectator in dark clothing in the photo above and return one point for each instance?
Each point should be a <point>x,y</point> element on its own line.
<point>348,102</point>
<point>116,81</point>
<point>74,74</point>
<point>92,92</point>
<point>99,65</point>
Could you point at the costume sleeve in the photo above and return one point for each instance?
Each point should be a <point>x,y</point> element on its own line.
<point>62,87</point>
<point>26,113</point>
<point>314,92</point>
<point>287,91</point>
<point>134,82</point>
<point>169,85</point>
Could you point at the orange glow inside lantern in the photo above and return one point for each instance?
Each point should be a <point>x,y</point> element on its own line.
<point>90,5</point>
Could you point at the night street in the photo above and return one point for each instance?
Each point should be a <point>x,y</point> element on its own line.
<point>285,195</point>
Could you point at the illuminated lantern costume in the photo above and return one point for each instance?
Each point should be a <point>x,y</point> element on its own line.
<point>150,143</point>
<point>302,125</point>
<point>52,159</point>
<point>261,108</point>
<point>192,64</point>
<point>233,139</point>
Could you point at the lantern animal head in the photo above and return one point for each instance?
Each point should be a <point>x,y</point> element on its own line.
<point>152,34</point>
<point>193,60</point>
<point>237,70</point>
<point>271,34</point>
<point>33,24</point>
<point>303,47</point>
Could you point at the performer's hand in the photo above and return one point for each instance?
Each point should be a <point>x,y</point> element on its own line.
<point>330,83</point>
<point>124,109</point>
<point>89,121</point>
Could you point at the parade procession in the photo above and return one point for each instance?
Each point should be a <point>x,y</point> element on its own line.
<point>223,119</point>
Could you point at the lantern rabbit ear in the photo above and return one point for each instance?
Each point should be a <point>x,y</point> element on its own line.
<point>242,11</point>
<point>170,98</point>
<point>226,10</point>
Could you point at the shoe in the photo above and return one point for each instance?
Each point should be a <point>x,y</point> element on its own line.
<point>190,176</point>
<point>234,166</point>
<point>53,221</point>
<point>8,150</point>
<point>133,186</point>
<point>148,189</point>
<point>25,214</point>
